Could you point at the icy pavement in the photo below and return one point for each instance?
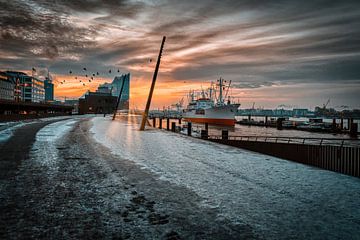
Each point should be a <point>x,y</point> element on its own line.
<point>278,198</point>
<point>70,187</point>
<point>7,128</point>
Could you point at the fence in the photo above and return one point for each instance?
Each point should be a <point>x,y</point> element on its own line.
<point>339,155</point>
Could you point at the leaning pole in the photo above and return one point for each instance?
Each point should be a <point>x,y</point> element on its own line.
<point>148,103</point>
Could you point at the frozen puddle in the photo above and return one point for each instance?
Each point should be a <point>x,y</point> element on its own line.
<point>279,198</point>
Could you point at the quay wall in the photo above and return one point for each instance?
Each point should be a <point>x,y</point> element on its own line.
<point>342,159</point>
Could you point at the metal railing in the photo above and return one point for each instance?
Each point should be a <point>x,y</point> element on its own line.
<point>294,140</point>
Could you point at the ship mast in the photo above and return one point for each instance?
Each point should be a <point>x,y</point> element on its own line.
<point>220,99</point>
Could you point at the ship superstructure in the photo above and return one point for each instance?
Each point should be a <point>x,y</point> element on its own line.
<point>210,106</point>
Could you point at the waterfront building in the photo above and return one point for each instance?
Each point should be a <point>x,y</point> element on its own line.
<point>33,89</point>
<point>115,87</point>
<point>7,87</point>
<point>49,90</point>
<point>97,102</point>
<point>17,79</point>
<point>26,88</point>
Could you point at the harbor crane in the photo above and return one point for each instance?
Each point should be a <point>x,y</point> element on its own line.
<point>326,104</point>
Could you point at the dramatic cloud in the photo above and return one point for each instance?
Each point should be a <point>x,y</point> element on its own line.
<point>262,46</point>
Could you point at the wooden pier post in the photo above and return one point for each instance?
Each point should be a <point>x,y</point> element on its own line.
<point>179,120</point>
<point>349,123</point>
<point>266,121</point>
<point>204,134</point>
<point>148,103</point>
<point>173,126</point>
<point>189,130</point>
<point>207,127</point>
<point>279,123</point>
<point>353,129</point>
<point>334,127</point>
<point>154,122</point>
<point>341,123</point>
<point>160,123</point>
<point>224,134</point>
<point>167,124</point>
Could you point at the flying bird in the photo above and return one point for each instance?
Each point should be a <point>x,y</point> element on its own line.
<point>110,71</point>
<point>92,78</point>
<point>93,74</point>
<point>70,72</point>
<point>118,70</point>
<point>97,73</point>
<point>89,80</point>
<point>75,77</point>
<point>84,84</point>
<point>84,69</point>
<point>86,75</point>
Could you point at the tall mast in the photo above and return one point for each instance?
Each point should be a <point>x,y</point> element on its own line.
<point>220,92</point>
<point>146,112</point>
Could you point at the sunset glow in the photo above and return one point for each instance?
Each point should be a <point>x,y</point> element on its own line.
<point>274,53</point>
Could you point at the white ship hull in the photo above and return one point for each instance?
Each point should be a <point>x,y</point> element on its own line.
<point>218,115</point>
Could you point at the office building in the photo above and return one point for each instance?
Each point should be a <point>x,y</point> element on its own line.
<point>49,90</point>
<point>7,87</point>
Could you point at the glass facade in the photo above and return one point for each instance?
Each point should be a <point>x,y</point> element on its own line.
<point>125,96</point>
<point>115,87</point>
<point>49,90</point>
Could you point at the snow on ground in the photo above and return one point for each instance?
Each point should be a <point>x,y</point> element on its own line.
<point>7,128</point>
<point>44,148</point>
<point>277,197</point>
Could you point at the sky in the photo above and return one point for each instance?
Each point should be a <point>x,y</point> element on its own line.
<point>277,53</point>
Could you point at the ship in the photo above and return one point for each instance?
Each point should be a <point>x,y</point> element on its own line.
<point>210,106</point>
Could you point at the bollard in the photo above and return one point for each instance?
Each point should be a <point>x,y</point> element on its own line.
<point>334,124</point>
<point>207,127</point>
<point>224,134</point>
<point>154,122</point>
<point>279,123</point>
<point>173,127</point>
<point>341,123</point>
<point>179,120</point>
<point>249,118</point>
<point>189,129</point>
<point>349,121</point>
<point>266,121</point>
<point>353,129</point>
<point>160,123</point>
<point>167,124</point>
<point>204,134</point>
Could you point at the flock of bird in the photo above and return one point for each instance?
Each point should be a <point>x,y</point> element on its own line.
<point>89,77</point>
